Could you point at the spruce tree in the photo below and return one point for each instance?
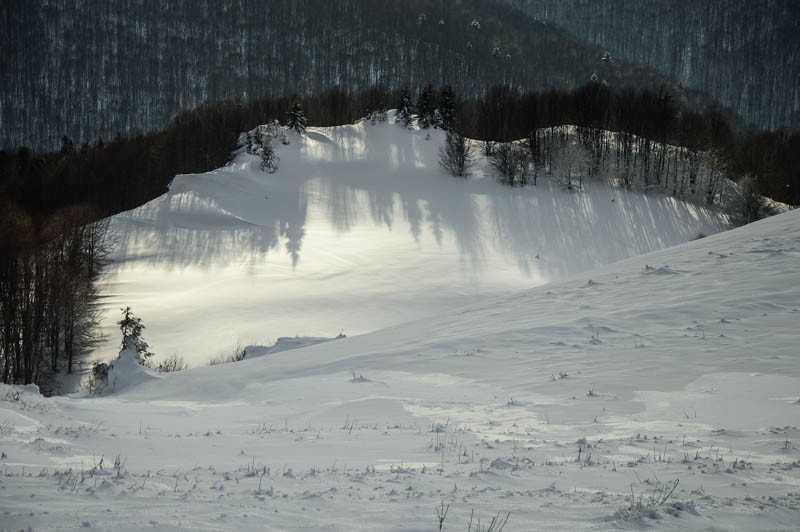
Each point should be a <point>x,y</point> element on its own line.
<point>425,107</point>
<point>404,110</point>
<point>131,328</point>
<point>269,159</point>
<point>297,118</point>
<point>447,112</point>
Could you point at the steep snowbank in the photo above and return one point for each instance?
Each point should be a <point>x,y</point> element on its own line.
<point>359,229</point>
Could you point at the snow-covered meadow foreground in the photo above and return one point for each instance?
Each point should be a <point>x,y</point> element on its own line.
<point>677,368</point>
<point>659,391</point>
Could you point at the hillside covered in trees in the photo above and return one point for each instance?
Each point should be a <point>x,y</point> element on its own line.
<point>743,53</point>
<point>92,71</point>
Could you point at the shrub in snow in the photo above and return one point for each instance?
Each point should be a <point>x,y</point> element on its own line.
<point>378,115</point>
<point>99,376</point>
<point>647,506</point>
<point>238,354</point>
<point>172,363</point>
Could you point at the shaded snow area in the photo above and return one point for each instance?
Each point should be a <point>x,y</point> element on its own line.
<point>285,344</point>
<point>660,392</point>
<point>359,229</point>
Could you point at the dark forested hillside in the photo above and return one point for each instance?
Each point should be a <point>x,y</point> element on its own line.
<point>96,69</point>
<point>744,53</point>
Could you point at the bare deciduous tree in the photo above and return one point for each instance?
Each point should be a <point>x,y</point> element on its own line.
<point>512,162</point>
<point>457,154</point>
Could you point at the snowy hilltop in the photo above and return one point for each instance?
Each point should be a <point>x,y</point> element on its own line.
<point>358,229</point>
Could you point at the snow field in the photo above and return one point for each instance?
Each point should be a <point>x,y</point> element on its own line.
<point>555,405</point>
<point>660,391</point>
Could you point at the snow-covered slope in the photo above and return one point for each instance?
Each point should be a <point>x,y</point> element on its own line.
<point>673,377</point>
<point>359,229</point>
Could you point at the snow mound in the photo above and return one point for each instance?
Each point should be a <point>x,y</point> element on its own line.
<point>124,373</point>
<point>663,270</point>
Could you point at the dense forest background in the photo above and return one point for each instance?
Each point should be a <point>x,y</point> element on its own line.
<point>744,53</point>
<point>94,70</point>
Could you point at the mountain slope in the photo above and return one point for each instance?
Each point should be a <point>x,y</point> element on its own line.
<point>674,369</point>
<point>132,66</point>
<point>744,54</point>
<point>359,229</point>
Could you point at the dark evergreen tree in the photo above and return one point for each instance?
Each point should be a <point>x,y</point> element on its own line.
<point>447,111</point>
<point>404,110</point>
<point>378,113</point>
<point>269,159</point>
<point>426,107</point>
<point>259,142</point>
<point>297,118</point>
<point>131,328</point>
<point>67,147</point>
